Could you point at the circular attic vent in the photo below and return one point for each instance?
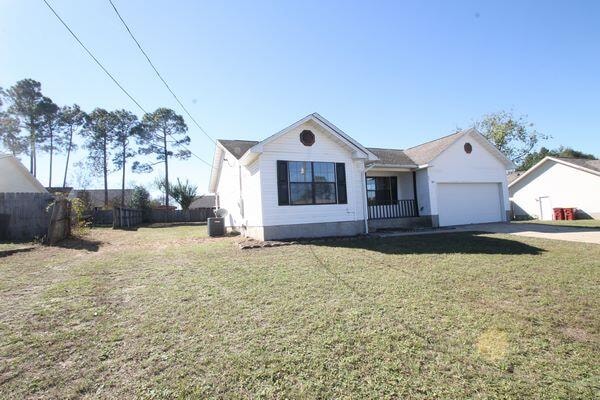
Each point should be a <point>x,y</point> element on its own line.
<point>307,138</point>
<point>468,148</point>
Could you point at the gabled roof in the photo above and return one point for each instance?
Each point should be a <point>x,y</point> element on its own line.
<point>392,157</point>
<point>9,164</point>
<point>326,125</point>
<point>237,147</point>
<point>582,164</point>
<point>594,165</point>
<point>426,152</point>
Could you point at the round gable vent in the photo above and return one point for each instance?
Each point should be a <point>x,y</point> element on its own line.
<point>307,138</point>
<point>468,148</point>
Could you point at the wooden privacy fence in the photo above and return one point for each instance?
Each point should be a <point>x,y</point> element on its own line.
<point>24,216</point>
<point>126,217</point>
<point>194,215</point>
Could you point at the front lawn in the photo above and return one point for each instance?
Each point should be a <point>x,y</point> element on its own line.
<point>167,312</point>
<point>578,223</point>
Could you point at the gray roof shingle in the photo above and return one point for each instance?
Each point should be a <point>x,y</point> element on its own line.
<point>237,147</point>
<point>426,152</point>
<point>391,156</point>
<point>206,201</point>
<point>417,155</point>
<point>583,162</point>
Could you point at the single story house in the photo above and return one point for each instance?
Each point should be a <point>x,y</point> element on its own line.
<point>557,182</point>
<point>313,180</point>
<point>15,178</point>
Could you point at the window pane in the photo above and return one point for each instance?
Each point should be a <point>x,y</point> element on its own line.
<point>325,193</point>
<point>301,193</point>
<point>371,197</point>
<point>324,172</point>
<point>300,171</point>
<point>371,184</point>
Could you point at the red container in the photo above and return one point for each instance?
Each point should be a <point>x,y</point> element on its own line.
<point>569,213</point>
<point>559,214</point>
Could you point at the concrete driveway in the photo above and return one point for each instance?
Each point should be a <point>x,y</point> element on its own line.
<point>585,235</point>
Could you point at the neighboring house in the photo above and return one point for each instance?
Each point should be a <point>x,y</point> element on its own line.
<point>97,197</point>
<point>557,182</point>
<point>15,178</point>
<point>313,180</point>
<point>204,201</point>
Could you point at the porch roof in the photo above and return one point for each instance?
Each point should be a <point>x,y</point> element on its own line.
<point>392,158</point>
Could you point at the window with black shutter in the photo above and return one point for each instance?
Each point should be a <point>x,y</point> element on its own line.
<point>311,182</point>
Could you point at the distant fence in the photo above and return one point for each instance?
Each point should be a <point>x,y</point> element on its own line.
<point>126,217</point>
<point>106,217</point>
<point>102,217</point>
<point>24,216</point>
<point>195,215</point>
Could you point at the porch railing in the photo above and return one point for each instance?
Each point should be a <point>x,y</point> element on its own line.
<point>403,209</point>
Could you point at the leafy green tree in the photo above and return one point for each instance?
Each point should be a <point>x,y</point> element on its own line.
<point>10,131</point>
<point>140,199</point>
<point>565,152</point>
<point>183,193</point>
<point>99,130</point>
<point>49,129</point>
<point>126,128</point>
<point>71,121</point>
<point>513,136</point>
<point>25,98</point>
<point>163,135</point>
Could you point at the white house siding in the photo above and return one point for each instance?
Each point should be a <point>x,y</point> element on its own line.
<point>252,218</point>
<point>423,192</point>
<point>325,149</point>
<point>454,165</point>
<point>228,191</point>
<point>565,186</point>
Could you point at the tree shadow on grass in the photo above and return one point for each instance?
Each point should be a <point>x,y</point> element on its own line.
<point>10,252</point>
<point>439,243</point>
<point>79,243</point>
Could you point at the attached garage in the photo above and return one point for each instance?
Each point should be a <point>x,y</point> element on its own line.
<point>469,203</point>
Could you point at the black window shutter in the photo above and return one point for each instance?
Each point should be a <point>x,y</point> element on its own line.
<point>394,189</point>
<point>282,183</point>
<point>340,169</point>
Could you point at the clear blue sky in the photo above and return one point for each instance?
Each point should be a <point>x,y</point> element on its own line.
<point>390,74</point>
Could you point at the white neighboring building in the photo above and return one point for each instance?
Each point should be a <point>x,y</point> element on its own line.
<point>313,180</point>
<point>15,178</point>
<point>557,182</point>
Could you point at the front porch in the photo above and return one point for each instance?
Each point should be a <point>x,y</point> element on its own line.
<point>392,199</point>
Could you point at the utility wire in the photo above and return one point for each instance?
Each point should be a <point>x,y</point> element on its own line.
<point>158,73</point>
<point>112,77</point>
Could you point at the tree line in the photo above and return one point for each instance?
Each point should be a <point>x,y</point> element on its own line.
<point>31,123</point>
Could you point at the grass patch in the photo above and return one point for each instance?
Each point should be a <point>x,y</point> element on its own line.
<point>578,223</point>
<point>167,313</point>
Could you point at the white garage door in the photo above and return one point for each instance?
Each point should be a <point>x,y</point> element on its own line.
<point>469,203</point>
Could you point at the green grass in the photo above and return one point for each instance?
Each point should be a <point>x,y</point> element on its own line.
<point>169,313</point>
<point>578,223</point>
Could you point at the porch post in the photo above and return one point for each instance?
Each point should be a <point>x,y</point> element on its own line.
<point>414,176</point>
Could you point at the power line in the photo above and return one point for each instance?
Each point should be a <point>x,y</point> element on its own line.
<point>112,77</point>
<point>158,73</point>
